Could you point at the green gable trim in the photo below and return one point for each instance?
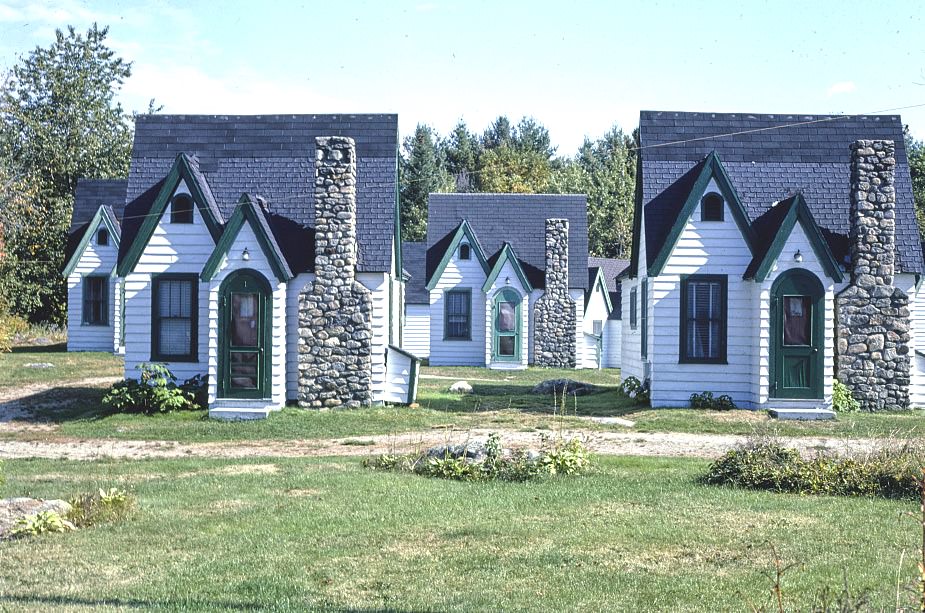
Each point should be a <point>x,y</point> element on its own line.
<point>246,212</point>
<point>181,170</point>
<point>101,216</point>
<point>507,255</point>
<point>464,230</point>
<point>712,169</point>
<point>638,212</point>
<point>599,282</point>
<point>799,212</point>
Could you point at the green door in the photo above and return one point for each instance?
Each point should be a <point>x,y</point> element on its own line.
<point>244,336</point>
<point>797,333</point>
<point>506,326</point>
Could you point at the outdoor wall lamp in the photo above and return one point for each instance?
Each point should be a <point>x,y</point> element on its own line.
<point>798,257</point>
<point>246,255</point>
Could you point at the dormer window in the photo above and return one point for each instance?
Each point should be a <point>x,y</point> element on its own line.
<point>465,251</point>
<point>711,207</point>
<point>102,237</point>
<point>181,209</point>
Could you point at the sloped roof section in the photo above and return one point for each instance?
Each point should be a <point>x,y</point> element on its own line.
<point>91,194</point>
<point>273,157</point>
<point>414,256</point>
<point>769,158</point>
<point>610,268</point>
<point>518,219</point>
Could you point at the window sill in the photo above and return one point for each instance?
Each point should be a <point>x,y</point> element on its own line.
<point>720,362</point>
<point>86,325</point>
<point>458,339</point>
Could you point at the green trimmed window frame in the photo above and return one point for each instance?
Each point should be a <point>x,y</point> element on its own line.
<point>465,251</point>
<point>457,306</point>
<point>633,294</point>
<point>181,209</point>
<point>245,281</point>
<point>715,319</point>
<point>507,296</point>
<point>170,282</point>
<point>644,320</point>
<point>712,207</point>
<point>95,304</point>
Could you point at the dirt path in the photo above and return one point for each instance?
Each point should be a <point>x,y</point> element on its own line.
<point>608,443</point>
<point>16,412</point>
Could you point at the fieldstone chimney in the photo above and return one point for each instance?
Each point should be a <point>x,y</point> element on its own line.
<point>873,315</point>
<point>335,335</point>
<point>554,312</point>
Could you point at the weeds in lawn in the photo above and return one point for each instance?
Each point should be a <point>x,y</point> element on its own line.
<point>41,523</point>
<point>102,506</point>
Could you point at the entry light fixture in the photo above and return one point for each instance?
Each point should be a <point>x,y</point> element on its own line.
<point>507,280</point>
<point>798,257</point>
<point>246,255</point>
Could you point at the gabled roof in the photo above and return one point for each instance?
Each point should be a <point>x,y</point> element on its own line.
<point>104,216</point>
<point>596,281</point>
<point>497,261</point>
<point>248,212</point>
<point>273,157</point>
<point>443,251</point>
<point>518,219</point>
<point>774,228</point>
<point>414,256</point>
<point>768,158</point>
<point>611,269</point>
<point>91,194</point>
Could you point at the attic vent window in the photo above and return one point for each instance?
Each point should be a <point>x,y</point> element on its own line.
<point>464,252</point>
<point>102,237</point>
<point>181,209</point>
<point>711,207</point>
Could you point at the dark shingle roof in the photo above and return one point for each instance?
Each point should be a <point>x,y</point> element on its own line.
<point>768,163</point>
<point>610,267</point>
<point>413,257</point>
<point>519,219</point>
<point>91,194</point>
<point>272,156</point>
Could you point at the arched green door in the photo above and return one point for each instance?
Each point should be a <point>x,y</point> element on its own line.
<point>797,335</point>
<point>507,341</point>
<point>244,336</point>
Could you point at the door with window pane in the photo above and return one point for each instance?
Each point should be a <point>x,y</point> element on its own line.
<point>244,367</point>
<point>506,325</point>
<point>797,326</point>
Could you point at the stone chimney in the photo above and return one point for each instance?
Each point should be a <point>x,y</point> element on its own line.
<point>873,315</point>
<point>554,312</point>
<point>335,335</point>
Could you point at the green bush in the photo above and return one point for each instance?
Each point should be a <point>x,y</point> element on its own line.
<point>767,465</point>
<point>842,400</point>
<point>156,392</point>
<point>102,506</point>
<point>705,400</point>
<point>10,326</point>
<point>633,388</point>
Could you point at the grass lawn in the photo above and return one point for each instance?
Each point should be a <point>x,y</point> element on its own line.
<point>638,534</point>
<point>67,366</point>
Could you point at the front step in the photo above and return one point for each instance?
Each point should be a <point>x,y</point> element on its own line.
<point>235,409</point>
<point>815,414</point>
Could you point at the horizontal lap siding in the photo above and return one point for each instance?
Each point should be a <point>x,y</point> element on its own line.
<point>95,260</point>
<point>173,248</point>
<point>578,295</point>
<point>507,272</point>
<point>378,285</point>
<point>398,378</point>
<point>906,283</point>
<point>293,290</point>
<point>417,329</point>
<point>613,331</point>
<point>631,364</point>
<point>459,274</point>
<point>596,311</point>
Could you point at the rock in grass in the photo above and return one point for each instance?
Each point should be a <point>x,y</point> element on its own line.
<point>473,450</point>
<point>39,365</point>
<point>570,386</point>
<point>13,509</point>
<point>461,387</point>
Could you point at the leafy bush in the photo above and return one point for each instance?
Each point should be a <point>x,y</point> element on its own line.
<point>631,387</point>
<point>41,523</point>
<point>767,465</point>
<point>567,458</point>
<point>101,506</point>
<point>842,400</point>
<point>705,400</point>
<point>156,392</point>
<point>10,326</point>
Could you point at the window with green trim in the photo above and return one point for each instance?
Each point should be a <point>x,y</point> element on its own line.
<point>96,300</point>
<point>458,315</point>
<point>181,209</point>
<point>644,307</point>
<point>703,318</point>
<point>174,317</point>
<point>633,309</point>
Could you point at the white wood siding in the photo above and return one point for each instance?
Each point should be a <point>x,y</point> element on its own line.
<point>594,351</point>
<point>500,283</point>
<point>459,274</point>
<point>378,283</point>
<point>293,290</point>
<point>246,239</point>
<point>906,282</point>
<point>630,358</point>
<point>613,346</point>
<point>173,248</point>
<point>398,377</point>
<point>95,260</point>
<point>417,330</point>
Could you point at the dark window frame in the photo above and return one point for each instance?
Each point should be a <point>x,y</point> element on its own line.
<point>102,237</point>
<point>709,202</point>
<point>465,251</point>
<point>156,354</point>
<point>723,318</point>
<point>103,299</point>
<point>633,294</point>
<point>182,214</point>
<point>644,320</point>
<point>446,314</point>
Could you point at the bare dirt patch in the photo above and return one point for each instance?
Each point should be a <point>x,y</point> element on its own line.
<point>18,404</point>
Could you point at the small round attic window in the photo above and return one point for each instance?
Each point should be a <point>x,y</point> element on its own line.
<point>711,207</point>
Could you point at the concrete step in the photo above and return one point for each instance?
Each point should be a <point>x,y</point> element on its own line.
<point>239,409</point>
<point>818,413</point>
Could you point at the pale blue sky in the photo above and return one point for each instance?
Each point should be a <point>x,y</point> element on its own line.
<point>577,67</point>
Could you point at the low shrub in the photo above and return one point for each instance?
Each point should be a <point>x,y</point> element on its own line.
<point>41,523</point>
<point>705,400</point>
<point>102,506</point>
<point>156,391</point>
<point>842,400</point>
<point>767,465</point>
<point>633,388</point>
<point>10,327</point>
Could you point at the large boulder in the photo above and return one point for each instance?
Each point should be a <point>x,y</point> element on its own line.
<point>461,387</point>
<point>14,509</point>
<point>570,386</point>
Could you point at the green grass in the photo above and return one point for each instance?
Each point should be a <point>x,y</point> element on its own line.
<point>638,534</point>
<point>67,366</point>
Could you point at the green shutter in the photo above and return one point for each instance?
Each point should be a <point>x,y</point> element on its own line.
<point>644,306</point>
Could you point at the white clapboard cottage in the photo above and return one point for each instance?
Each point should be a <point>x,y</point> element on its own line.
<point>772,253</point>
<point>504,280</point>
<point>262,251</point>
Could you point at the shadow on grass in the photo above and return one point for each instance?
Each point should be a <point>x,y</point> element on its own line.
<point>60,404</point>
<point>168,604</point>
<point>53,348</point>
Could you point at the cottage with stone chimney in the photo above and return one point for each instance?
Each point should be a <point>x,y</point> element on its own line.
<point>261,251</point>
<point>504,281</point>
<point>772,255</point>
